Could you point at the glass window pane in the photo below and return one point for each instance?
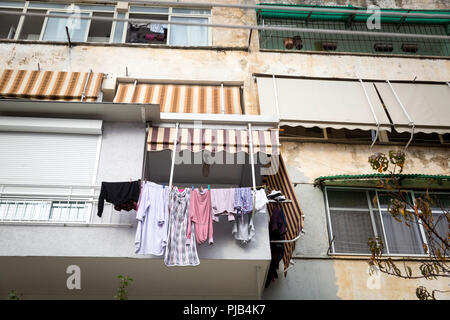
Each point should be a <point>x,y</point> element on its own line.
<point>385,198</point>
<point>149,9</point>
<point>191,11</point>
<point>401,238</point>
<point>347,199</point>
<point>438,201</point>
<point>8,24</point>
<point>118,32</point>
<point>183,35</point>
<point>441,226</point>
<point>100,30</point>
<point>12,4</point>
<point>47,5</point>
<point>56,27</point>
<point>32,26</point>
<point>154,33</point>
<point>351,231</point>
<point>96,8</point>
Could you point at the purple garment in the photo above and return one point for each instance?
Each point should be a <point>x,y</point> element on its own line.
<point>153,220</point>
<point>243,200</point>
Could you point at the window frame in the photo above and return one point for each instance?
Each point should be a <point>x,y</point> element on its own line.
<point>372,211</point>
<point>44,25</point>
<point>55,7</point>
<point>169,15</point>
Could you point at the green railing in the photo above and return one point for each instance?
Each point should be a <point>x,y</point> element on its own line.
<point>308,41</point>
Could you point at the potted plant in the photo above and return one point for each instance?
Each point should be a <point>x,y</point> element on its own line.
<point>298,44</point>
<point>288,43</point>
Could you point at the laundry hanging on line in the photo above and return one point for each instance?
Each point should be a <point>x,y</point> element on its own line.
<point>168,220</point>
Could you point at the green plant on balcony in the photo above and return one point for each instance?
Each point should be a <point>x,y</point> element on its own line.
<point>122,292</point>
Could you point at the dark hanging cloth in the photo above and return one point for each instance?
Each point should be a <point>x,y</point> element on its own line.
<point>277,231</point>
<point>123,195</point>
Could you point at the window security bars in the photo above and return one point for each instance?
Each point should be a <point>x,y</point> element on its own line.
<point>302,41</point>
<point>355,215</point>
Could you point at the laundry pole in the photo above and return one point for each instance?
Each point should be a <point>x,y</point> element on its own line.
<point>174,151</point>
<point>252,160</point>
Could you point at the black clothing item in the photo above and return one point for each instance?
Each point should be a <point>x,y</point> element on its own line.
<point>118,193</point>
<point>277,231</point>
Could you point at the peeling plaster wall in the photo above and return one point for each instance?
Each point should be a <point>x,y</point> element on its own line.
<point>315,275</point>
<point>312,160</point>
<point>216,65</point>
<point>310,278</point>
<point>354,282</point>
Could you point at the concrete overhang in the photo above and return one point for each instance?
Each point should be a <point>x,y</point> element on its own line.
<point>107,111</point>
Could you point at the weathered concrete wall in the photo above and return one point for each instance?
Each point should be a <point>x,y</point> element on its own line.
<point>330,279</point>
<point>215,65</point>
<point>316,275</point>
<point>308,161</point>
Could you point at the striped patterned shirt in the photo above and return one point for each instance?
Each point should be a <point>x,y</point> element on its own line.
<point>178,251</point>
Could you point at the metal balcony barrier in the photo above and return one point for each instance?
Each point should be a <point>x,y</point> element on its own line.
<point>57,204</point>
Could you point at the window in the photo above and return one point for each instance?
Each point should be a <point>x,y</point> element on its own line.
<point>164,33</point>
<point>54,29</point>
<point>104,31</point>
<point>354,218</point>
<point>304,41</point>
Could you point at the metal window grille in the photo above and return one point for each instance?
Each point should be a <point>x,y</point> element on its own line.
<point>274,40</point>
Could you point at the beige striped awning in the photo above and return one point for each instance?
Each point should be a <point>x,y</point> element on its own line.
<point>278,179</point>
<point>182,98</point>
<point>213,140</point>
<point>50,85</point>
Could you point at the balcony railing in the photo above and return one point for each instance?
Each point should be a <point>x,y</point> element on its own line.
<point>56,204</point>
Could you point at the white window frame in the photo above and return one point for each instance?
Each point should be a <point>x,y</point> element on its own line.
<point>52,7</point>
<point>44,25</point>
<point>372,211</point>
<point>171,14</point>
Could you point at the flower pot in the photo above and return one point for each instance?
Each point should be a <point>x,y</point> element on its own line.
<point>298,44</point>
<point>288,43</point>
<point>329,46</point>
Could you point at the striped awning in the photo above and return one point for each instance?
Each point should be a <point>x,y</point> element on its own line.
<point>50,85</point>
<point>183,98</point>
<point>292,211</point>
<point>213,140</point>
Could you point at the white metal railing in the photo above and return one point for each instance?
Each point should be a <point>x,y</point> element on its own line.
<point>55,203</point>
<point>49,210</point>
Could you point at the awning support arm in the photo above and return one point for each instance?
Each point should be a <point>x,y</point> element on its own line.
<point>411,123</point>
<point>83,94</point>
<point>134,89</point>
<point>174,151</point>
<point>252,162</point>
<point>373,113</point>
<point>276,95</point>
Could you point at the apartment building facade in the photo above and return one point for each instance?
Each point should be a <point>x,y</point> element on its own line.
<point>102,100</point>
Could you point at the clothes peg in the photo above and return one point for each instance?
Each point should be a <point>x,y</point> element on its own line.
<point>208,187</point>
<point>192,187</point>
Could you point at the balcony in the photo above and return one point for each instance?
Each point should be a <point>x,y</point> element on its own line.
<point>354,20</point>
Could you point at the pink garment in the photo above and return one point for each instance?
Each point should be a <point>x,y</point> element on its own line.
<point>200,214</point>
<point>222,202</point>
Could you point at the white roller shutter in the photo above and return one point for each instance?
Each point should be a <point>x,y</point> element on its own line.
<point>47,158</point>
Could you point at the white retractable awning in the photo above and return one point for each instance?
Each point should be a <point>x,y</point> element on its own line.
<point>323,103</point>
<point>426,105</point>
